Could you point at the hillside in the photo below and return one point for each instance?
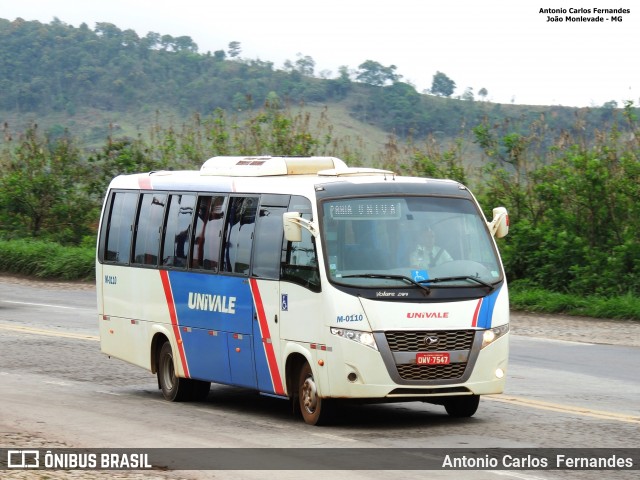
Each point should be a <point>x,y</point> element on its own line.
<point>108,82</point>
<point>108,102</point>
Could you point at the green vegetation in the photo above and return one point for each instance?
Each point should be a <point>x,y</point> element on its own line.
<point>571,187</point>
<point>543,301</point>
<point>45,259</point>
<point>105,80</point>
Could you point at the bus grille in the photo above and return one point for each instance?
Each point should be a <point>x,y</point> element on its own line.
<point>412,341</point>
<point>431,372</point>
<point>447,341</point>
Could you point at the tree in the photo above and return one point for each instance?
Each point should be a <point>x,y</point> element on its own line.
<point>185,43</point>
<point>340,86</point>
<point>374,73</point>
<point>166,41</point>
<point>442,85</point>
<point>130,38</point>
<point>305,65</point>
<point>108,30</point>
<point>40,190</point>
<point>468,95</point>
<point>234,49</point>
<point>151,40</point>
<point>118,157</point>
<point>483,93</point>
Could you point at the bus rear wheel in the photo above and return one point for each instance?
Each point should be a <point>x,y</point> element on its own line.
<point>462,406</point>
<point>314,410</point>
<point>174,388</point>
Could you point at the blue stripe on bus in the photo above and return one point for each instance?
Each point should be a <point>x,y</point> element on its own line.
<point>486,310</point>
<point>221,338</point>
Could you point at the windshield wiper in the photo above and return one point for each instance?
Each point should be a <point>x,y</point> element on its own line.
<point>408,280</point>
<point>461,277</point>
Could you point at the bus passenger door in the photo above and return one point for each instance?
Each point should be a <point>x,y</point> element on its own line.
<point>235,263</point>
<point>265,289</point>
<point>301,307</point>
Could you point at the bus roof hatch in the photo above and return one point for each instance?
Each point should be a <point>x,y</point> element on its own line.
<point>268,166</point>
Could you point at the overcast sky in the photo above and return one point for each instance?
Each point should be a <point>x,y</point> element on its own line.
<point>504,46</point>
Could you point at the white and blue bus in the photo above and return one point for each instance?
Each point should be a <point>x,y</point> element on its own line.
<point>304,279</point>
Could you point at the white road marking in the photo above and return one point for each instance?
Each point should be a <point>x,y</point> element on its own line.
<point>42,305</point>
<point>334,437</point>
<point>554,340</point>
<point>521,476</point>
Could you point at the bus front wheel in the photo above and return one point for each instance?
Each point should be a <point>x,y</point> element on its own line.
<point>314,410</point>
<point>174,388</point>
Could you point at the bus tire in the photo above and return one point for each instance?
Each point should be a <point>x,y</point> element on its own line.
<point>462,406</point>
<point>314,410</point>
<point>174,388</point>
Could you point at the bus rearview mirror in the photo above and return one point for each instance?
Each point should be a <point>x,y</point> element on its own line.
<point>292,226</point>
<point>499,226</point>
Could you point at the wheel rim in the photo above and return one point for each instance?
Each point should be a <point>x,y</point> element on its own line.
<point>168,374</point>
<point>309,395</point>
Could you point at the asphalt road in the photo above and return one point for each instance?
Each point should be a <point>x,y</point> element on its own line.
<point>58,390</point>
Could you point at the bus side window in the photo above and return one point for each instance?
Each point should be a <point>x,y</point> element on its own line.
<point>207,231</point>
<point>177,238</point>
<point>148,229</point>
<point>268,243</point>
<point>238,236</point>
<point>299,262</point>
<point>120,227</point>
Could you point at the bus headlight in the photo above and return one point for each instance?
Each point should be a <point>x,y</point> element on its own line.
<point>491,335</point>
<point>364,338</point>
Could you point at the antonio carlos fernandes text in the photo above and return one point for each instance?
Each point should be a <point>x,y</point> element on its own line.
<point>537,462</point>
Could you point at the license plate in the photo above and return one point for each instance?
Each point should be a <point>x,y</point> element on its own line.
<point>433,358</point>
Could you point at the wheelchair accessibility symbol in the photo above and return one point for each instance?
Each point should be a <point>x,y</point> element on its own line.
<point>419,275</point>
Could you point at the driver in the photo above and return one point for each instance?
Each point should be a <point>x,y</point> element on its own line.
<point>427,253</point>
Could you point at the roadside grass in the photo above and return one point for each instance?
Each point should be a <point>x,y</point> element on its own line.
<point>47,260</point>
<point>50,260</point>
<point>533,299</point>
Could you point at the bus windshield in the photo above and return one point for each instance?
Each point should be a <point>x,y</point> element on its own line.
<point>438,242</point>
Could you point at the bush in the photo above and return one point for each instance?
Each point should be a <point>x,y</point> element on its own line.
<point>44,259</point>
<point>526,297</point>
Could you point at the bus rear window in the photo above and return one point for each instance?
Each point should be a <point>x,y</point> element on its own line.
<point>120,226</point>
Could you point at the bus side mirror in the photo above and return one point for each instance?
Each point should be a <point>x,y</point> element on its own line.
<point>293,224</point>
<point>292,228</point>
<point>499,226</point>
